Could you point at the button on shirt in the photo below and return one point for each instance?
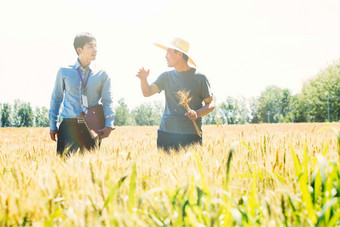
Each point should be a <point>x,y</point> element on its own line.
<point>67,93</point>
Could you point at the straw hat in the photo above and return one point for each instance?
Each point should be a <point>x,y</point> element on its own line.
<point>180,45</point>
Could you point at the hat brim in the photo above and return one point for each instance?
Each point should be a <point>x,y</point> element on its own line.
<point>164,47</point>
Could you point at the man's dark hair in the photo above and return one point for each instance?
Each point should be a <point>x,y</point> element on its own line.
<point>184,56</point>
<point>81,39</point>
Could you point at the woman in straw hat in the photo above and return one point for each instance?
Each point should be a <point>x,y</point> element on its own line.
<point>177,126</point>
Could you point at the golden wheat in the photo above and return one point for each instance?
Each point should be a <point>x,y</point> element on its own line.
<point>128,182</point>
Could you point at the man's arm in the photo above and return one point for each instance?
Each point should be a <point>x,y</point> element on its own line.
<point>56,100</point>
<point>107,100</point>
<point>147,90</point>
<point>209,106</point>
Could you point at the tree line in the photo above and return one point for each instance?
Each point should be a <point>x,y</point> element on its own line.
<point>22,114</point>
<point>319,101</point>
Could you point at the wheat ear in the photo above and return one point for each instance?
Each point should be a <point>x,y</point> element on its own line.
<point>184,100</point>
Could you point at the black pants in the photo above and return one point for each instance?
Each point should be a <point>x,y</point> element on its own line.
<point>73,136</point>
<point>167,141</point>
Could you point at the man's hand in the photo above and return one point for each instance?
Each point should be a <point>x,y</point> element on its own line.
<point>106,132</point>
<point>53,134</point>
<point>143,74</point>
<point>147,89</point>
<point>192,115</point>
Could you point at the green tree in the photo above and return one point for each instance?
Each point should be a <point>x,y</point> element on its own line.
<point>122,114</point>
<point>244,115</point>
<point>23,114</point>
<point>6,115</point>
<point>15,116</point>
<point>274,105</point>
<point>236,110</point>
<point>41,117</point>
<point>320,96</point>
<point>253,106</point>
<point>146,114</point>
<point>230,110</point>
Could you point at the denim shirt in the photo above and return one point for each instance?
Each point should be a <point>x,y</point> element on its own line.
<point>68,92</point>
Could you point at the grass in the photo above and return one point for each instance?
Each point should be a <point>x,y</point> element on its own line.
<point>270,174</point>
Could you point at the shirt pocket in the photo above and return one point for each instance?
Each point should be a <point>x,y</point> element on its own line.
<point>94,86</point>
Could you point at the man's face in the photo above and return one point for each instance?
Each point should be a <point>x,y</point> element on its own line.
<point>172,57</point>
<point>89,51</point>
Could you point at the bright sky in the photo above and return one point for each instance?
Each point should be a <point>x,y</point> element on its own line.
<point>242,46</point>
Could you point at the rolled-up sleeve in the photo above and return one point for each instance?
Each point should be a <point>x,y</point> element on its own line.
<point>56,100</point>
<point>107,100</point>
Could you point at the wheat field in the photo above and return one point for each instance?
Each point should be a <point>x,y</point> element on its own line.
<point>243,175</point>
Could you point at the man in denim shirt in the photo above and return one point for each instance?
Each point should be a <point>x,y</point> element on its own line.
<point>176,128</point>
<point>78,87</point>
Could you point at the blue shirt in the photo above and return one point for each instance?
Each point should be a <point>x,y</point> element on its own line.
<point>173,119</point>
<point>68,92</point>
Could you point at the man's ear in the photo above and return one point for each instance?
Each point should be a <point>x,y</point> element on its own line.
<point>79,50</point>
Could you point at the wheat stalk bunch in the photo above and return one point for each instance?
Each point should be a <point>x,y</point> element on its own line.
<point>184,100</point>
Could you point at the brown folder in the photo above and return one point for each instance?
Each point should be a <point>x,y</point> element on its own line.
<point>95,120</point>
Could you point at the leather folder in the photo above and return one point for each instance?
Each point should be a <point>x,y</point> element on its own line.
<point>95,120</point>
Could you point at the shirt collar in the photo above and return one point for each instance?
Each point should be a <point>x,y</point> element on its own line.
<point>191,71</point>
<point>91,66</point>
